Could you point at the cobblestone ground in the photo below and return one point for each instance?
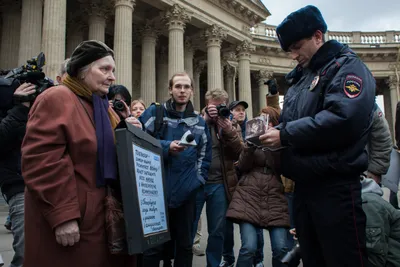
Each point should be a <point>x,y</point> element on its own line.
<point>7,252</point>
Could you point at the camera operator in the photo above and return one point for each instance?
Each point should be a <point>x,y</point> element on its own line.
<point>120,100</point>
<point>13,119</point>
<point>217,192</point>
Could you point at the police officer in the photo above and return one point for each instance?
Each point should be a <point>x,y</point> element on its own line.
<point>324,130</point>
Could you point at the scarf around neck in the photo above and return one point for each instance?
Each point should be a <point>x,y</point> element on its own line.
<point>104,123</point>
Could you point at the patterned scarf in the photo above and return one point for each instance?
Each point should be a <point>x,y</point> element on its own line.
<point>104,121</point>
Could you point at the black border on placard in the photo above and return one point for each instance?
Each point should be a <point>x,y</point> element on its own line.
<point>125,137</point>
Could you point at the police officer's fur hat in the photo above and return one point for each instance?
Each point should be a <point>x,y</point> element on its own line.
<point>300,24</point>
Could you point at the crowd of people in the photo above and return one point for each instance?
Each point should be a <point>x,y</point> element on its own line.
<point>313,176</point>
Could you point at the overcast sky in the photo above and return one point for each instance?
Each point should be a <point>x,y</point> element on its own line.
<point>343,15</point>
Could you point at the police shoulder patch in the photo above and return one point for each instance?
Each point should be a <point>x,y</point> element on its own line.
<point>352,86</point>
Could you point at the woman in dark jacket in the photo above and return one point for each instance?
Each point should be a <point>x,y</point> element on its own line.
<point>259,201</point>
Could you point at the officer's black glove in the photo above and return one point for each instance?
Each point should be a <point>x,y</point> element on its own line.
<point>273,87</point>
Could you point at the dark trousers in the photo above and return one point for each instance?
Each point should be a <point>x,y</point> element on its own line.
<point>181,228</point>
<point>330,225</point>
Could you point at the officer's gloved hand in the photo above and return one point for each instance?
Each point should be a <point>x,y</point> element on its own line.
<point>272,86</point>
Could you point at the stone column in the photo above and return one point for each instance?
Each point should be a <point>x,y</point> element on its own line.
<point>388,109</point>
<point>393,89</point>
<point>97,22</point>
<point>262,76</point>
<point>244,53</point>
<point>148,69</point>
<point>123,42</point>
<point>75,35</point>
<point>230,78</point>
<point>31,30</point>
<point>188,58</point>
<point>162,75</point>
<point>53,38</point>
<point>214,36</point>
<point>10,34</point>
<point>198,68</point>
<point>176,18</point>
<point>223,64</point>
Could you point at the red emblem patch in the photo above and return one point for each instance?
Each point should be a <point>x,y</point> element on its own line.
<point>380,114</point>
<point>352,86</point>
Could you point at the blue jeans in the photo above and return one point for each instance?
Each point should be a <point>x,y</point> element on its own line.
<point>216,206</point>
<point>16,204</point>
<point>229,243</point>
<point>248,234</point>
<point>229,255</point>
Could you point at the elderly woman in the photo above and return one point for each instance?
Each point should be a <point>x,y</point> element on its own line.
<point>259,201</point>
<point>68,159</point>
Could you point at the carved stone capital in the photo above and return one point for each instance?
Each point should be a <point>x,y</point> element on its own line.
<point>176,17</point>
<point>214,35</point>
<point>127,3</point>
<point>392,82</point>
<point>230,71</point>
<point>198,66</point>
<point>189,44</point>
<point>263,75</point>
<point>229,56</point>
<point>244,49</point>
<point>99,10</point>
<point>150,29</point>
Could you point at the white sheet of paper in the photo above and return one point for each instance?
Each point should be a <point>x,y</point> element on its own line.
<point>148,171</point>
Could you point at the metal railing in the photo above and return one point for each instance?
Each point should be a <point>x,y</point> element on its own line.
<point>386,37</point>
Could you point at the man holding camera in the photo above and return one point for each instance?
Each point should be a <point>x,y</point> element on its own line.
<point>13,119</point>
<point>325,124</point>
<point>226,148</point>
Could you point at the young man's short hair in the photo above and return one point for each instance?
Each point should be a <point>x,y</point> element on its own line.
<point>216,94</point>
<point>171,81</point>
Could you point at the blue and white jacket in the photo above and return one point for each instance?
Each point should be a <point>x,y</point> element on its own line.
<point>188,170</point>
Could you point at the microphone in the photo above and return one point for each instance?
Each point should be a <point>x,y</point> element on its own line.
<point>187,139</point>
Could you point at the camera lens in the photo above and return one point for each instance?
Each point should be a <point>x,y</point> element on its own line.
<point>118,105</point>
<point>224,112</point>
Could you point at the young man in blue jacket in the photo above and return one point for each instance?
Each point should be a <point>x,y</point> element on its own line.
<point>325,124</point>
<point>186,168</point>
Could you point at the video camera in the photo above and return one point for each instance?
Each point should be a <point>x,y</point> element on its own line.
<point>30,73</point>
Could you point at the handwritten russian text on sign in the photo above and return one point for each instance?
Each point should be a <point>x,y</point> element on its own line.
<point>150,190</point>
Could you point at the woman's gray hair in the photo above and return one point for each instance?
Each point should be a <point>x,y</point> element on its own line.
<point>63,68</point>
<point>83,71</point>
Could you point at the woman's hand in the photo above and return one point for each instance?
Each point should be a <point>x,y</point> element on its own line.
<point>67,234</point>
<point>134,121</point>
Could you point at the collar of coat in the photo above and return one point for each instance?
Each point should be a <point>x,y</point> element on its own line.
<point>328,51</point>
<point>172,113</point>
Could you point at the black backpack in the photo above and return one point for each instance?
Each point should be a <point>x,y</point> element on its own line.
<point>158,122</point>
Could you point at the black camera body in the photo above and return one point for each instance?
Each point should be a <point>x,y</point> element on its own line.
<point>30,73</point>
<point>223,111</point>
<point>118,105</point>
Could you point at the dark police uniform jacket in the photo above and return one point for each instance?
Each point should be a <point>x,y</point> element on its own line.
<point>326,117</point>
